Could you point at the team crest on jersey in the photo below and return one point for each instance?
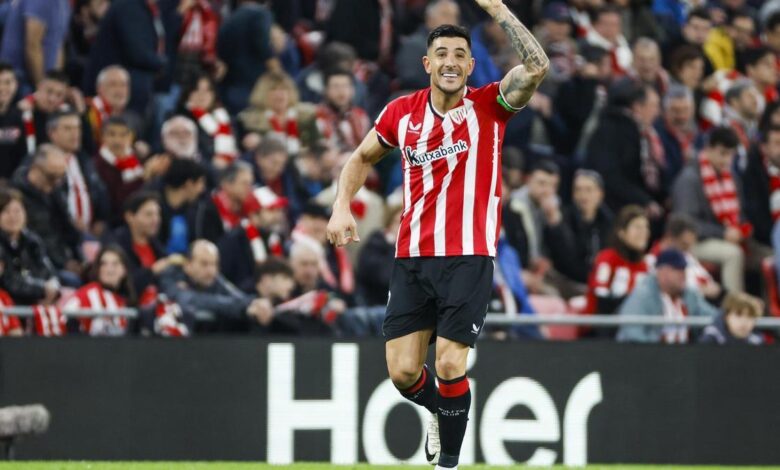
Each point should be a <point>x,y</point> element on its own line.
<point>458,115</point>
<point>417,159</point>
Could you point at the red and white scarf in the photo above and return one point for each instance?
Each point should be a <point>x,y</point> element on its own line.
<point>346,279</point>
<point>259,251</point>
<point>774,189</point>
<point>674,309</point>
<point>198,31</point>
<point>722,194</point>
<point>128,165</point>
<point>345,129</point>
<point>685,139</point>
<point>288,128</point>
<point>653,157</point>
<point>230,219</point>
<point>79,202</point>
<point>94,296</point>
<point>316,303</point>
<point>48,321</point>
<point>28,121</point>
<point>167,321</point>
<point>217,125</point>
<point>102,111</point>
<point>7,323</point>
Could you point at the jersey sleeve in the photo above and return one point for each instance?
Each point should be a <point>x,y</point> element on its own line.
<point>491,100</point>
<point>386,124</point>
<point>601,276</point>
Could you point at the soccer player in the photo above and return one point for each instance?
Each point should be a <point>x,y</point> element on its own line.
<point>450,137</point>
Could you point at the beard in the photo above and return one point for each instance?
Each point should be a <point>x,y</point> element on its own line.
<point>181,150</point>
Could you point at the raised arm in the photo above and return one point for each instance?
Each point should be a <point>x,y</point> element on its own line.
<point>342,228</point>
<point>519,84</point>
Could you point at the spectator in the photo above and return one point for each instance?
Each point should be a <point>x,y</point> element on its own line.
<point>694,34</point>
<point>181,188</point>
<point>270,161</point>
<point>365,25</point>
<point>626,150</point>
<point>85,192</point>
<point>761,185</point>
<point>110,288</point>
<point>771,36</point>
<point>199,286</point>
<point>29,276</point>
<point>554,34</point>
<point>488,46</point>
<point>677,130</point>
<point>50,97</point>
<point>741,113</point>
<point>413,47</point>
<point>243,44</point>
<point>275,107</point>
<point>724,42</point>
<point>216,140</point>
<point>580,100</point>
<point>84,25</point>
<point>12,143</point>
<point>736,324</point>
<point>118,167</point>
<point>760,65</point>
<point>618,269</point>
<point>34,37</point>
<point>607,33</point>
<point>224,210</point>
<point>197,45</point>
<point>686,67</point>
<point>373,275</point>
<point>146,257</point>
<point>646,66</point>
<point>331,57</point>
<point>583,230</point>
<point>47,209</point>
<point>180,141</point>
<point>680,234</point>
<point>707,191</point>
<point>529,211</point>
<point>131,34</point>
<point>664,294</point>
<point>339,121</point>
<point>113,95</point>
<point>258,238</point>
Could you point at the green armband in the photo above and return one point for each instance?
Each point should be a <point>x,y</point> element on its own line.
<point>505,105</point>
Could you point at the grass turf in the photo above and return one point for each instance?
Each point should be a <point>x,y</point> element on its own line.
<point>304,466</point>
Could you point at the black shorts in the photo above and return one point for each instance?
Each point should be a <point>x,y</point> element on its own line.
<point>449,294</point>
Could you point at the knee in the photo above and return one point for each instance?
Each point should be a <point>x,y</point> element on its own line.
<point>732,252</point>
<point>450,366</point>
<point>404,371</point>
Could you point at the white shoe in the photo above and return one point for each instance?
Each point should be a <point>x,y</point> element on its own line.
<point>432,442</point>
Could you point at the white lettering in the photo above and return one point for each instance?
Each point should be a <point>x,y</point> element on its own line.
<point>586,395</point>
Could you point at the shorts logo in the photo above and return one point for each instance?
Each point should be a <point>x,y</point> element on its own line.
<point>475,328</point>
<point>444,151</point>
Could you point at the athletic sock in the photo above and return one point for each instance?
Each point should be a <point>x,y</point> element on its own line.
<point>453,408</point>
<point>423,392</point>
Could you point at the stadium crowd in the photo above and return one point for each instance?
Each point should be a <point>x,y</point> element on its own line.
<point>180,156</point>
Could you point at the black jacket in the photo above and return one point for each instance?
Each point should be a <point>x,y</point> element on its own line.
<point>47,216</point>
<point>718,333</point>
<point>13,146</point>
<point>237,262</point>
<point>755,187</point>
<point>374,268</point>
<point>574,103</point>
<point>27,268</point>
<point>614,151</point>
<point>142,277</point>
<point>576,239</point>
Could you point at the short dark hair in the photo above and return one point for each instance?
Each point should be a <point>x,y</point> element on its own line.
<point>627,92</point>
<point>230,173</point>
<point>750,57</point>
<point>7,195</point>
<point>545,166</point>
<point>732,15</point>
<point>271,143</point>
<point>336,72</point>
<point>699,12</point>
<point>57,76</point>
<point>606,10</point>
<point>138,199</point>
<point>678,224</point>
<point>272,267</point>
<point>682,55</point>
<point>181,171</point>
<point>6,67</point>
<point>723,136</point>
<point>116,121</point>
<point>773,21</point>
<point>449,31</point>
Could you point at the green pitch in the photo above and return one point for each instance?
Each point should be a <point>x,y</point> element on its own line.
<point>301,466</point>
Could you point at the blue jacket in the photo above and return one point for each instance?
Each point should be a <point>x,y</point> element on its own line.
<point>508,261</point>
<point>645,299</point>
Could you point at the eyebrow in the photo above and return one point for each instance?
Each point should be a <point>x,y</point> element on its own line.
<point>445,49</point>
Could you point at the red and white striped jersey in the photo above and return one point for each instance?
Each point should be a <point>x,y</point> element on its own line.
<point>613,277</point>
<point>452,172</point>
<point>93,296</point>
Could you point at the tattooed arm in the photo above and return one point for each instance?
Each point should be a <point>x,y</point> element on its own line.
<point>519,84</point>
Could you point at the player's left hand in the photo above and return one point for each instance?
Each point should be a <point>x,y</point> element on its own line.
<point>489,5</point>
<point>342,227</point>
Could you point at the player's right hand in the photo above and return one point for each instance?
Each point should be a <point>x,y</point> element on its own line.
<point>342,228</point>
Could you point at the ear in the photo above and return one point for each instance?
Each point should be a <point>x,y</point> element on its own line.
<point>426,64</point>
<point>472,62</point>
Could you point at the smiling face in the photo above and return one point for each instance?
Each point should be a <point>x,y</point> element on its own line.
<point>449,63</point>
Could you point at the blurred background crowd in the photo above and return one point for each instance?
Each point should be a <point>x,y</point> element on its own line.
<point>180,157</point>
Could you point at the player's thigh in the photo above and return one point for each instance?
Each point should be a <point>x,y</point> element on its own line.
<point>463,291</point>
<point>411,306</point>
<point>406,355</point>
